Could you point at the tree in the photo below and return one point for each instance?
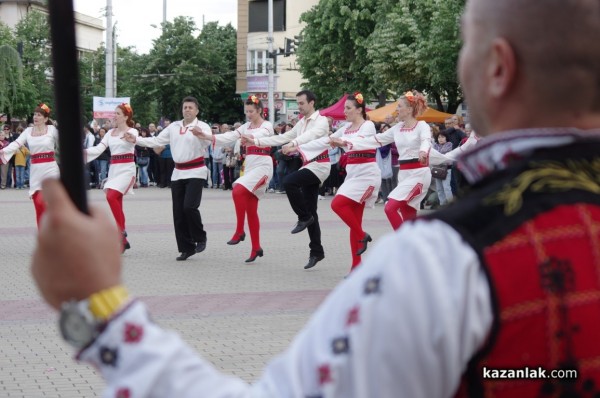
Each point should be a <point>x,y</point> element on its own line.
<point>416,46</point>
<point>34,32</point>
<point>219,44</point>
<point>177,67</point>
<point>11,78</point>
<point>333,53</point>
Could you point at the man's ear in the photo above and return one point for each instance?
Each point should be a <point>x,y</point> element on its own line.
<point>502,68</point>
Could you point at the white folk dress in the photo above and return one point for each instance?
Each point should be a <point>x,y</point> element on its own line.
<point>121,176</point>
<point>413,183</point>
<point>37,145</point>
<point>258,165</point>
<point>362,179</point>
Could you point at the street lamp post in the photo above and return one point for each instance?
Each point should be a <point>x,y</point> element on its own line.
<point>270,63</point>
<point>109,71</point>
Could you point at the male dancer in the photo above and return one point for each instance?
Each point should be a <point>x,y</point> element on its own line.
<point>188,177</point>
<point>302,186</point>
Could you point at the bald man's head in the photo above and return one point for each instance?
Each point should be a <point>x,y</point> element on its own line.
<point>554,44</point>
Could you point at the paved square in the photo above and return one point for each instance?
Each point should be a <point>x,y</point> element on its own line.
<point>237,315</point>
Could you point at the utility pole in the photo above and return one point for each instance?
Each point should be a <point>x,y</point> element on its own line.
<point>164,11</point>
<point>115,59</point>
<point>270,61</point>
<point>109,71</point>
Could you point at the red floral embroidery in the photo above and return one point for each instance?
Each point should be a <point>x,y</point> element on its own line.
<point>353,316</point>
<point>325,374</point>
<point>133,333</point>
<point>123,393</point>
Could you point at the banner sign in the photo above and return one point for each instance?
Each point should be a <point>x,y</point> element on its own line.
<point>104,107</point>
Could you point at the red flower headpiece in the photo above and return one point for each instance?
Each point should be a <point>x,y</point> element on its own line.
<point>359,98</point>
<point>127,108</point>
<point>254,99</point>
<point>44,107</point>
<point>410,96</point>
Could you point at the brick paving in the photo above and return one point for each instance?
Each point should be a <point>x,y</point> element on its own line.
<point>236,315</point>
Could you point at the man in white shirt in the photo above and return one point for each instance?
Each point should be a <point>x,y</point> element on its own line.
<point>302,186</point>
<point>188,177</point>
<point>496,295</point>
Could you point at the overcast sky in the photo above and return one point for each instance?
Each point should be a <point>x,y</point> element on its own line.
<point>134,17</point>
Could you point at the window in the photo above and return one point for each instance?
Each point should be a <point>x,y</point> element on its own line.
<point>258,13</point>
<point>258,61</point>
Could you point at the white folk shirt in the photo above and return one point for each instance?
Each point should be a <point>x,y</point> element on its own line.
<point>258,169</point>
<point>403,324</point>
<point>185,146</point>
<point>362,180</point>
<point>121,176</point>
<point>37,144</point>
<point>307,129</point>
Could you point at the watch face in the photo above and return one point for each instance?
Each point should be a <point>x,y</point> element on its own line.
<point>76,329</point>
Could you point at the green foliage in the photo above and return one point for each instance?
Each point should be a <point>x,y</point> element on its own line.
<point>388,46</point>
<point>11,78</point>
<point>333,53</point>
<point>34,32</point>
<point>204,67</point>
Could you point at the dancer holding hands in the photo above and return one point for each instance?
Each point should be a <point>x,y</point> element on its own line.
<point>258,171</point>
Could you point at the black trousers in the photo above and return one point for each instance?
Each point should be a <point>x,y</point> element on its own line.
<point>302,190</point>
<point>187,195</point>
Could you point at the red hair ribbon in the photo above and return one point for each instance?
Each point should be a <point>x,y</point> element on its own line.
<point>127,108</point>
<point>44,107</point>
<point>254,99</point>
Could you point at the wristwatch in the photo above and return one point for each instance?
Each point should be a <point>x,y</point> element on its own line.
<point>82,321</point>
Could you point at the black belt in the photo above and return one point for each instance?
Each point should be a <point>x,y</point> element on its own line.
<point>360,155</point>
<point>122,157</point>
<point>405,161</point>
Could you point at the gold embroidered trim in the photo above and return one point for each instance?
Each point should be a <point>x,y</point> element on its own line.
<point>547,177</point>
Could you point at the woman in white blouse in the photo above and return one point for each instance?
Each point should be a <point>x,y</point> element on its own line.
<point>258,171</point>
<point>42,139</point>
<point>121,174</point>
<point>363,178</point>
<point>413,140</point>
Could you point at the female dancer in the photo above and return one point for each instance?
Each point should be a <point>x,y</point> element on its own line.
<point>42,139</point>
<point>258,170</point>
<point>413,140</point>
<point>121,174</point>
<point>363,176</point>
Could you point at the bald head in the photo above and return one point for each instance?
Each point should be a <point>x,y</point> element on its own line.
<point>554,46</point>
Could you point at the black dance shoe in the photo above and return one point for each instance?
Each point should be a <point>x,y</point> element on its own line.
<point>364,242</point>
<point>235,241</point>
<point>200,246</point>
<point>312,261</point>
<point>253,255</point>
<point>184,255</point>
<point>302,225</point>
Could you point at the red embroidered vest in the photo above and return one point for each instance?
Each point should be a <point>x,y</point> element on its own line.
<point>536,228</point>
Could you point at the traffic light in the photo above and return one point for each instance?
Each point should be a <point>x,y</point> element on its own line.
<point>276,114</point>
<point>266,113</point>
<point>290,47</point>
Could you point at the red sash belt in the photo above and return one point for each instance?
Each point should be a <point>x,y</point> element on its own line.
<point>360,157</point>
<point>409,164</point>
<point>256,150</point>
<point>124,158</point>
<point>42,157</point>
<point>322,158</point>
<point>192,164</point>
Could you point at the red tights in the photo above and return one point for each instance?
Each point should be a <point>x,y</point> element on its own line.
<point>40,206</point>
<point>246,205</point>
<point>115,201</point>
<point>351,213</point>
<point>399,211</point>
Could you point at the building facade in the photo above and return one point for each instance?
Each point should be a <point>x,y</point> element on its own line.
<point>252,52</point>
<point>89,31</point>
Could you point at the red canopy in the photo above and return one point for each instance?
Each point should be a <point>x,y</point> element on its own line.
<point>336,111</point>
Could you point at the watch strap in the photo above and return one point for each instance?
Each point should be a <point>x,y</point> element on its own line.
<point>105,303</point>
